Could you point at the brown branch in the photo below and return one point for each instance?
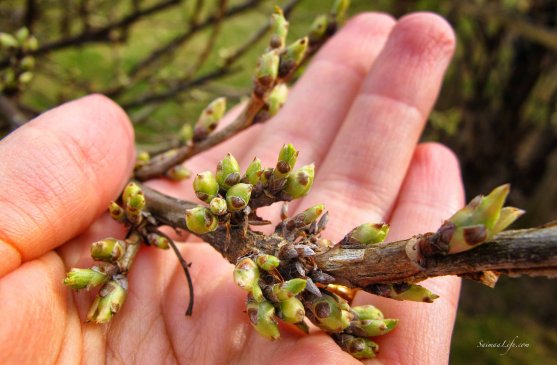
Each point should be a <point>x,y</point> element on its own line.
<point>11,113</point>
<point>518,252</point>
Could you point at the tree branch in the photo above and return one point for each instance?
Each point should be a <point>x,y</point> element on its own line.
<point>517,252</point>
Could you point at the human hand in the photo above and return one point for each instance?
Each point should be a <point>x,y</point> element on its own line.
<point>357,113</point>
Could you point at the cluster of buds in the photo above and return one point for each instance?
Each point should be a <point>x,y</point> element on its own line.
<point>18,48</point>
<point>231,195</point>
<point>475,224</point>
<point>131,208</point>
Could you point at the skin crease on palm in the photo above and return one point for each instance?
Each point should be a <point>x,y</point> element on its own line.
<point>357,113</point>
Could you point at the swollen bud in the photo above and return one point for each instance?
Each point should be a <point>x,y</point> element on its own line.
<point>186,133</point>
<point>328,313</point>
<point>200,220</point>
<point>276,99</point>
<point>8,41</point>
<point>369,233</point>
<point>228,172</point>
<point>286,161</point>
<point>266,72</point>
<point>261,316</point>
<point>359,347</point>
<point>108,249</point>
<point>218,206</point>
<point>131,190</point>
<point>205,186</point>
<point>317,29</point>
<point>253,172</point>
<point>288,289</point>
<point>142,159</point>
<point>267,262</point>
<point>85,278</point>
<point>279,29</point>
<point>372,327</point>
<point>178,173</point>
<point>116,212</point>
<point>308,216</point>
<point>246,274</point>
<point>367,311</point>
<point>506,218</point>
<point>237,197</point>
<point>209,119</point>
<point>300,181</point>
<point>338,11</point>
<point>292,310</point>
<point>158,241</point>
<point>108,302</point>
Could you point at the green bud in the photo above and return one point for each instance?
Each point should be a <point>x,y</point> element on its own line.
<point>261,316</point>
<point>116,212</point>
<point>85,278</point>
<point>200,220</point>
<point>359,347</point>
<point>267,262</point>
<point>468,237</point>
<point>27,63</point>
<point>413,292</point>
<point>257,293</point>
<point>205,186</point>
<point>292,310</point>
<point>186,133</point>
<point>367,311</point>
<point>253,172</point>
<point>142,159</point>
<point>8,41</point>
<point>299,182</point>
<point>339,10</point>
<point>31,44</point>
<point>328,313</point>
<point>158,241</point>
<point>373,327</point>
<point>218,206</point>
<point>318,28</point>
<point>22,34</point>
<point>131,190</point>
<point>237,197</point>
<point>228,172</point>
<point>276,98</point>
<point>292,56</point>
<point>267,69</point>
<point>246,274</point>
<point>108,249</point>
<point>286,161</point>
<point>308,216</point>
<point>506,218</point>
<point>289,288</point>
<point>178,173</point>
<point>368,233</point>
<point>209,119</point>
<point>109,301</point>
<point>25,77</point>
<point>279,29</point>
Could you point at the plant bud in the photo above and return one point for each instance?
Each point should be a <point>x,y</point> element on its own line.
<point>367,311</point>
<point>22,34</point>
<point>205,186</point>
<point>178,173</point>
<point>299,182</point>
<point>308,216</point>
<point>85,278</point>
<point>261,316</point>
<point>292,57</point>
<point>158,241</point>
<point>369,233</point>
<point>109,301</point>
<point>200,220</point>
<point>372,327</point>
<point>142,159</point>
<point>253,172</point>
<point>209,119</point>
<point>338,10</point>
<point>286,161</point>
<point>116,212</point>
<point>27,63</point>
<point>267,71</point>
<point>30,44</point>
<point>267,262</point>
<point>228,172</point>
<point>328,313</point>
<point>25,77</point>
<point>218,206</point>
<point>412,292</point>
<point>109,249</point>
<point>506,218</point>
<point>276,99</point>
<point>289,288</point>
<point>237,197</point>
<point>186,133</point>
<point>317,29</point>
<point>131,190</point>
<point>279,29</point>
<point>292,310</point>
<point>8,41</point>
<point>360,348</point>
<point>246,274</point>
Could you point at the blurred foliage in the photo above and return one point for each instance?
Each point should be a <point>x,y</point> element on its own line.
<point>497,109</point>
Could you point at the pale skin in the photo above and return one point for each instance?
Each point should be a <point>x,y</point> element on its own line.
<point>357,113</point>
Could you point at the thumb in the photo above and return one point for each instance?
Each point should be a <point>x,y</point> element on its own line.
<point>59,172</point>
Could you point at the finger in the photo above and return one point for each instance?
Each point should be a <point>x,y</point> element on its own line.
<point>319,102</point>
<point>432,191</point>
<point>365,166</point>
<point>60,171</point>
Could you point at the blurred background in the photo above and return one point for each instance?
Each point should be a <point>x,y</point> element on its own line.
<point>164,60</point>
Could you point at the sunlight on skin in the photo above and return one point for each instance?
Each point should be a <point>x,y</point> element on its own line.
<point>368,170</point>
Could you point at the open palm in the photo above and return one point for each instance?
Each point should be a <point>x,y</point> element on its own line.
<point>357,113</point>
